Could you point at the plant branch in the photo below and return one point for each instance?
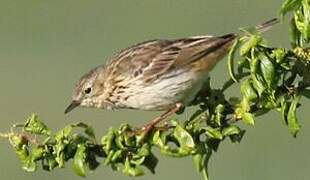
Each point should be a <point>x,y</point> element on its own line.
<point>270,78</point>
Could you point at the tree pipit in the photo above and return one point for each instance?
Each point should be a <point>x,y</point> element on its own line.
<point>157,75</point>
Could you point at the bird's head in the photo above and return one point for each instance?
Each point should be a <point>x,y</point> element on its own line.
<point>88,90</point>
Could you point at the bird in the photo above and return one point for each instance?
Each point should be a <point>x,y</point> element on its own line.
<point>155,75</point>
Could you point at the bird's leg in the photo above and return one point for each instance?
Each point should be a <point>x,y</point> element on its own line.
<point>148,127</point>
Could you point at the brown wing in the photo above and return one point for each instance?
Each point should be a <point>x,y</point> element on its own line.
<point>134,61</point>
<point>149,60</point>
<point>203,52</point>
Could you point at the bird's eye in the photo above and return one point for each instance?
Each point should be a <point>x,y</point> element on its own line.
<point>87,90</point>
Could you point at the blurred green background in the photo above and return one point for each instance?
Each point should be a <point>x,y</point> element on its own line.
<point>46,45</point>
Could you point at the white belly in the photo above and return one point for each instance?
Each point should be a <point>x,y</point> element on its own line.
<point>165,92</point>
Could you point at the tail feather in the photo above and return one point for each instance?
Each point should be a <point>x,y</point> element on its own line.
<point>265,26</point>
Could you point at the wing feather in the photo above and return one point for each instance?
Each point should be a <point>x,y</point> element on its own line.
<point>150,60</point>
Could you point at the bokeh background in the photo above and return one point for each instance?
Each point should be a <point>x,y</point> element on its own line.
<point>45,46</point>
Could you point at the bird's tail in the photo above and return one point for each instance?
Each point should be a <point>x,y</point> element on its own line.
<point>265,26</point>
<point>262,27</point>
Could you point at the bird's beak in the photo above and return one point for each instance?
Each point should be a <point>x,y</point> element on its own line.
<point>73,105</point>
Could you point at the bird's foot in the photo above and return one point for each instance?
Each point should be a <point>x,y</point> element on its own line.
<point>148,128</point>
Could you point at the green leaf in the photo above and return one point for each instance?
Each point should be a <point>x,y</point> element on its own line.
<point>88,129</point>
<point>248,118</point>
<point>159,139</point>
<point>22,153</point>
<point>268,71</point>
<point>151,162</point>
<point>306,11</point>
<point>201,160</point>
<point>59,152</point>
<point>236,138</point>
<point>62,140</point>
<point>248,91</point>
<point>63,133</point>
<point>109,157</point>
<point>117,155</point>
<point>213,133</point>
<point>231,56</point>
<point>145,150</point>
<point>302,19</point>
<point>29,164</point>
<point>37,152</point>
<point>197,159</point>
<point>253,41</point>
<point>184,138</point>
<point>300,26</point>
<point>289,5</point>
<point>79,160</point>
<point>18,141</point>
<point>34,125</point>
<point>284,109</point>
<point>279,54</point>
<point>243,64</point>
<point>108,140</point>
<point>132,170</point>
<point>206,159</point>
<point>231,130</point>
<point>219,114</point>
<point>291,117</point>
<point>138,161</point>
<point>174,152</point>
<point>28,159</point>
<point>119,140</point>
<point>245,106</point>
<point>257,84</point>
<point>295,35</point>
<point>130,140</point>
<point>49,162</point>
